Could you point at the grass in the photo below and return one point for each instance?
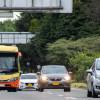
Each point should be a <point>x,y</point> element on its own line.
<point>79,85</point>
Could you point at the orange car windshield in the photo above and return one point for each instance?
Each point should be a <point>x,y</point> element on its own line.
<point>54,70</point>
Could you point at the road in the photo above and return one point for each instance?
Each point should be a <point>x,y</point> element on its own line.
<point>75,94</point>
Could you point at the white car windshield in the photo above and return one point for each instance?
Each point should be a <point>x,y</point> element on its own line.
<point>28,77</point>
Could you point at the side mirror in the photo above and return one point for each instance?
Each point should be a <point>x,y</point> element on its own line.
<point>20,54</point>
<point>89,71</point>
<point>21,72</point>
<point>70,73</point>
<point>38,73</point>
<point>38,67</point>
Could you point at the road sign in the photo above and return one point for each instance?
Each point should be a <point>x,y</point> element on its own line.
<point>4,14</point>
<point>56,6</point>
<point>15,37</point>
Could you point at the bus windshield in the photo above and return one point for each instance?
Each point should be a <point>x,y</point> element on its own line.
<point>8,63</point>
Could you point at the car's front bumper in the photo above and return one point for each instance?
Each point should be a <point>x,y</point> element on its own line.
<point>24,86</point>
<point>9,85</point>
<point>51,85</point>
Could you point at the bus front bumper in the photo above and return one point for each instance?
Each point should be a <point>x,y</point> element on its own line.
<point>7,85</point>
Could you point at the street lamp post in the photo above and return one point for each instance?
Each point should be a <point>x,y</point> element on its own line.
<point>27,66</point>
<point>4,3</point>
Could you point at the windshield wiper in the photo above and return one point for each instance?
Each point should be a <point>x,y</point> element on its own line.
<point>13,70</point>
<point>9,71</point>
<point>4,71</point>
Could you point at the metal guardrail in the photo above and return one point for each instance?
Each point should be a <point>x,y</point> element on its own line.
<point>56,6</point>
<point>30,8</point>
<point>15,37</point>
<point>9,5</point>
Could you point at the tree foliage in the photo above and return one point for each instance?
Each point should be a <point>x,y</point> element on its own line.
<point>76,55</point>
<point>7,26</point>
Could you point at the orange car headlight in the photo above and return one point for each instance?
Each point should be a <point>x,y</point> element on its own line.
<point>44,78</point>
<point>67,78</point>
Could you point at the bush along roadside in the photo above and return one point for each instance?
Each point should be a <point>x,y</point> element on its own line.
<point>79,85</point>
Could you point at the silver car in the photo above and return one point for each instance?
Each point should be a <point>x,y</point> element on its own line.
<point>54,77</point>
<point>93,79</point>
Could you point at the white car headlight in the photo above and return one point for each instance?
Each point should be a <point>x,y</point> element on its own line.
<point>67,78</point>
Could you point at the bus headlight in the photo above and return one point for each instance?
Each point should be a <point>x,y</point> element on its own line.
<point>13,79</point>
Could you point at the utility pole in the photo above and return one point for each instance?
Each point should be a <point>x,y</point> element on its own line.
<point>32,3</point>
<point>60,4</point>
<point>4,3</point>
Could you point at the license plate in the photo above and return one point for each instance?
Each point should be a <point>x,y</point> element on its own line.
<point>2,85</point>
<point>55,83</point>
<point>29,85</point>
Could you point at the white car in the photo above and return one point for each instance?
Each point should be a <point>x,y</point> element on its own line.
<point>28,81</point>
<point>93,79</point>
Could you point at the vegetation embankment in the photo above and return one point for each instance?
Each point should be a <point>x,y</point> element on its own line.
<point>79,85</point>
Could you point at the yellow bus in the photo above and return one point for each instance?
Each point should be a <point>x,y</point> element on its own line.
<point>9,68</point>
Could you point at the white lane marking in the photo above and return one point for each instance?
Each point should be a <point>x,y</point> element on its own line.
<point>60,95</point>
<point>72,98</point>
<point>48,92</point>
<point>44,92</point>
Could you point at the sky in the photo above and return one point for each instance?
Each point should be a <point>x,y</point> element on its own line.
<point>16,15</point>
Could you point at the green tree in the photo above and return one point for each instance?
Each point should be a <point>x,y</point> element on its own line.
<point>7,26</point>
<point>76,55</point>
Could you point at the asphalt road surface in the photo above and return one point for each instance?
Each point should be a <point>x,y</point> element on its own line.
<point>75,94</point>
